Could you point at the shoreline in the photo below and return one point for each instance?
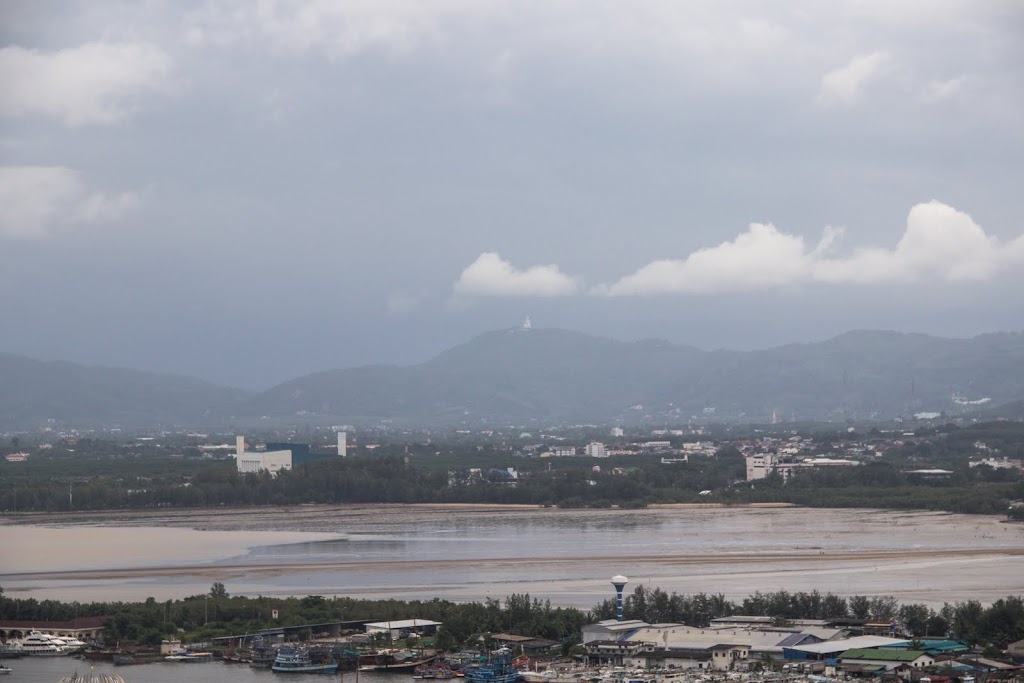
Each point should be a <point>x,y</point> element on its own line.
<point>68,518</point>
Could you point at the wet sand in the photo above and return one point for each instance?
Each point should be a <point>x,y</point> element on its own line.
<point>472,552</point>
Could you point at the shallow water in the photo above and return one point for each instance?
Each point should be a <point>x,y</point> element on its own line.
<point>52,669</point>
<point>472,553</point>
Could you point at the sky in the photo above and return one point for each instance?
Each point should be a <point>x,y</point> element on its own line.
<point>248,191</point>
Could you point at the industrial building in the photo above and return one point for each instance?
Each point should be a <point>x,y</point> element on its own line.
<point>276,457</point>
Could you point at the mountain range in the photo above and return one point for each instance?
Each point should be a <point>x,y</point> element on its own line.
<point>555,375</point>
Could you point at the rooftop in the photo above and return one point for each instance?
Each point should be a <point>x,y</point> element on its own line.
<point>873,654</point>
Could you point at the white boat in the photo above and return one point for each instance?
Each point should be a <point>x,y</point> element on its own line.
<point>74,644</point>
<point>5,669</point>
<point>188,656</point>
<point>37,644</point>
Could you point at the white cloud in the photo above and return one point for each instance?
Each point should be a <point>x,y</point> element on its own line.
<point>95,83</point>
<point>760,257</point>
<point>939,243</point>
<point>490,275</point>
<point>843,86</point>
<point>36,199</point>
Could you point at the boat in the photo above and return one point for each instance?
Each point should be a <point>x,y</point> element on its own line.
<point>186,656</point>
<point>92,677</point>
<point>74,644</point>
<point>5,670</point>
<point>262,656</point>
<point>37,644</point>
<point>393,660</point>
<point>498,669</point>
<point>556,676</point>
<point>297,660</point>
<point>440,671</point>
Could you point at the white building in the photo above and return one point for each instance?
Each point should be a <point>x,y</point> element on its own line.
<point>343,444</point>
<point>399,629</point>
<point>618,432</point>
<point>595,449</point>
<point>257,461</point>
<point>998,463</point>
<point>760,465</point>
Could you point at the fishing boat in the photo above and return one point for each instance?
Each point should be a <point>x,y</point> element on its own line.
<point>498,669</point>
<point>5,670</point>
<point>393,660</point>
<point>262,656</point>
<point>296,660</point>
<point>440,671</point>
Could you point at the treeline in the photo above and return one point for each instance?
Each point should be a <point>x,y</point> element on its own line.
<point>997,625</point>
<point>45,484</point>
<point>979,490</point>
<point>91,481</point>
<point>201,617</point>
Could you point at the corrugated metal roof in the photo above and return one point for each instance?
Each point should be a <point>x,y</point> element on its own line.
<point>876,655</point>
<point>849,643</point>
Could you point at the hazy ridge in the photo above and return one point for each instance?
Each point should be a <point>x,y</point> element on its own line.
<point>555,375</point>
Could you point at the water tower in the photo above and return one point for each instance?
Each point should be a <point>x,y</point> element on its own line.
<point>619,582</point>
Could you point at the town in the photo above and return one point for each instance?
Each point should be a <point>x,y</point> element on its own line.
<point>968,467</point>
<point>860,638</point>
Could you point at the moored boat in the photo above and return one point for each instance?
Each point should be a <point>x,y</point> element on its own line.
<point>262,656</point>
<point>297,660</point>
<point>439,671</point>
<point>498,669</point>
<point>37,644</point>
<point>189,657</point>
<point>393,660</point>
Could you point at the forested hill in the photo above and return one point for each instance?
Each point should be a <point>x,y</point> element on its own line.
<point>557,375</point>
<point>563,375</point>
<point>33,391</point>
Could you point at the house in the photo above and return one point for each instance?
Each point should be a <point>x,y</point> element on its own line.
<point>890,659</point>
<point>1016,650</point>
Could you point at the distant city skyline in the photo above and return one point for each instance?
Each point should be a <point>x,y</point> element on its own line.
<point>251,193</point>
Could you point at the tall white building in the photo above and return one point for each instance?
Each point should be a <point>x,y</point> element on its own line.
<point>343,444</point>
<point>618,431</point>
<point>595,449</point>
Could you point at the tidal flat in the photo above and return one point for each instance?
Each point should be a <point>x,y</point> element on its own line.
<point>473,552</point>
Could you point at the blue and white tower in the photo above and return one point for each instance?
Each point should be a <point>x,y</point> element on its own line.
<point>619,582</point>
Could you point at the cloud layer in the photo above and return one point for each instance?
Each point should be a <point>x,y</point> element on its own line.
<point>36,199</point>
<point>95,83</point>
<point>490,275</point>
<point>939,243</point>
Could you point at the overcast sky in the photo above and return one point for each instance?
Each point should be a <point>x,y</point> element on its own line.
<point>248,191</point>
